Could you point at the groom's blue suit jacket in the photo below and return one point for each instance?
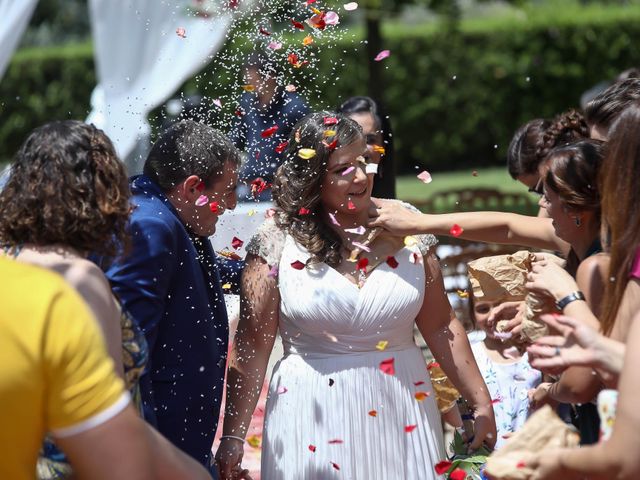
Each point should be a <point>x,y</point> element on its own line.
<point>178,301</point>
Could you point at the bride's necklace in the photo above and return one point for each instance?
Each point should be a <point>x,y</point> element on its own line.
<point>359,247</point>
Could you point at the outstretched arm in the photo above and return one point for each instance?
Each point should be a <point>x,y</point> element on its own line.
<point>259,311</point>
<point>449,344</point>
<point>490,227</point>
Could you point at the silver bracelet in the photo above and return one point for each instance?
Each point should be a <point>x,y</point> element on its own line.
<point>232,436</point>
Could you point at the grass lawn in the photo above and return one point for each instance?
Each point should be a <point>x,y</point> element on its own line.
<point>409,188</point>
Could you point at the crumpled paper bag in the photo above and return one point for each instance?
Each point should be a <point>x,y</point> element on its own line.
<point>502,278</point>
<point>446,393</point>
<point>542,431</point>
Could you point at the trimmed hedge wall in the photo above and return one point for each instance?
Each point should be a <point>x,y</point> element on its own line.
<point>454,100</point>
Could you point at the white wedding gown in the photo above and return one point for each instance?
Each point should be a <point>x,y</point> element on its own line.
<point>332,413</point>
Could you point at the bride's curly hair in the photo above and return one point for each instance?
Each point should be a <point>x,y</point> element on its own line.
<point>298,183</point>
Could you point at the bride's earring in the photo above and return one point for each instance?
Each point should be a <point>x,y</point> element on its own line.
<point>578,222</point>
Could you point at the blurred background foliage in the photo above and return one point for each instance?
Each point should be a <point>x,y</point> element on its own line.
<point>462,75</point>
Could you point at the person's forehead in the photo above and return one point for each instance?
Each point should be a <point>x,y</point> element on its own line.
<point>366,120</point>
<point>348,152</point>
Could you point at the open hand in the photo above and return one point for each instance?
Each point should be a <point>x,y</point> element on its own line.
<point>394,217</point>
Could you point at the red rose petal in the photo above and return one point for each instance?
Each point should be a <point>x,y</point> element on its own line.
<point>332,145</point>
<point>417,384</point>
<point>387,366</point>
<point>458,474</point>
<point>330,120</point>
<point>304,211</point>
<point>335,441</point>
<point>442,467</point>
<point>350,205</point>
<point>335,465</point>
<point>280,148</point>
<point>236,243</point>
<point>431,365</point>
<point>456,230</point>
<point>297,25</point>
<point>214,207</point>
<point>239,113</point>
<point>312,448</point>
<point>373,413</point>
<point>298,265</point>
<point>362,264</point>
<point>269,131</point>
<point>264,32</point>
<point>521,464</point>
<point>392,262</point>
<point>200,186</point>
<point>410,428</point>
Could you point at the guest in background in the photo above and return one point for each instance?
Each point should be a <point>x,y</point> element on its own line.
<point>376,128</point>
<point>263,122</point>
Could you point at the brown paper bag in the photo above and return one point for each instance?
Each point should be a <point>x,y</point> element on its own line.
<point>446,393</point>
<point>502,278</point>
<point>542,431</point>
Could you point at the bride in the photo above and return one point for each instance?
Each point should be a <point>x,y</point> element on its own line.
<point>351,398</point>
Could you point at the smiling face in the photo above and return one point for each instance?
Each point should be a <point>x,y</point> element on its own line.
<point>345,183</point>
<point>481,312</point>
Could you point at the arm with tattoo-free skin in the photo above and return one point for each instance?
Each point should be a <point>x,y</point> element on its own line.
<point>490,227</point>
<point>448,342</point>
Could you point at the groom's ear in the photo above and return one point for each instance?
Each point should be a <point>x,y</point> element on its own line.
<point>189,188</point>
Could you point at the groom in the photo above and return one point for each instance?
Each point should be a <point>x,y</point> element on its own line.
<point>170,280</point>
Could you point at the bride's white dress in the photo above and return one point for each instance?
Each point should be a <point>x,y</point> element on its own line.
<point>332,412</point>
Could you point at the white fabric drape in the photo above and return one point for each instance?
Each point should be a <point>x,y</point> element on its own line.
<point>14,18</point>
<point>141,61</point>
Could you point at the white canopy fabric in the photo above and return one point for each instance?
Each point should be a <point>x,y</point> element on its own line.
<point>14,18</point>
<point>141,61</point>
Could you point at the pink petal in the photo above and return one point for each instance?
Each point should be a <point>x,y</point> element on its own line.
<point>348,170</point>
<point>349,7</point>
<point>274,45</point>
<point>281,390</point>
<point>202,200</point>
<point>361,246</point>
<point>425,177</point>
<point>333,219</point>
<point>290,88</point>
<point>358,231</point>
<point>217,103</point>
<point>331,18</point>
<point>382,55</point>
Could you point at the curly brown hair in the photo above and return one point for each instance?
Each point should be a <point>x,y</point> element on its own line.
<point>66,187</point>
<point>298,184</point>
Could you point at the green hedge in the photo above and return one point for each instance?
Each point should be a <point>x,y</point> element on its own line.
<point>454,100</point>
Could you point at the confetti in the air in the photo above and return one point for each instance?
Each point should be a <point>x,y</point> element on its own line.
<point>456,230</point>
<point>290,88</point>
<point>281,147</point>
<point>281,389</point>
<point>330,120</point>
<point>236,243</point>
<point>387,366</point>
<point>382,344</point>
<point>392,262</point>
<point>410,241</point>
<point>382,55</point>
<point>202,200</point>
<point>298,265</point>
<point>420,396</point>
<point>217,102</point>
<point>269,131</point>
<point>274,45</point>
<point>226,286</point>
<point>254,441</point>
<point>312,448</point>
<point>332,18</point>
<point>308,40</point>
<point>335,441</point>
<point>362,264</point>
<point>304,211</point>
<point>348,170</point>
<point>351,6</point>
<point>350,205</point>
<point>332,217</point>
<point>181,32</point>
<point>425,177</point>
<point>306,153</point>
<point>248,88</point>
<point>462,293</point>
<point>358,230</point>
<point>214,207</point>
<point>373,413</point>
<point>410,428</point>
<point>335,465</point>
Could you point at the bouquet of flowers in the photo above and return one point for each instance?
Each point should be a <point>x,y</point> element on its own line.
<point>463,465</point>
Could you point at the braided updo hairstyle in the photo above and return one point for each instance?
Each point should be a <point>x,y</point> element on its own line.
<point>298,183</point>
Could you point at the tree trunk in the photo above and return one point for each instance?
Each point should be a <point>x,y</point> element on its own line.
<point>374,45</point>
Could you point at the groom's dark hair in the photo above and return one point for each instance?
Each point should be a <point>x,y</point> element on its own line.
<point>189,148</point>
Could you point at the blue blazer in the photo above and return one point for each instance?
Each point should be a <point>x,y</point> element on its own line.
<point>178,302</point>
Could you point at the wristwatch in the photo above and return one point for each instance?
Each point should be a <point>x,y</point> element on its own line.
<point>572,297</point>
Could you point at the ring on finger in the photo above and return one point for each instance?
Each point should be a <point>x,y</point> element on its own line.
<point>557,351</point>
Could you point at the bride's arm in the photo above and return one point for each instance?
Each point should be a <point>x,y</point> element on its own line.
<point>259,310</point>
<point>448,342</point>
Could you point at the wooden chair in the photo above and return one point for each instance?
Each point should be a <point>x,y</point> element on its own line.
<point>479,199</point>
